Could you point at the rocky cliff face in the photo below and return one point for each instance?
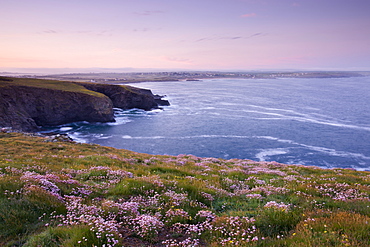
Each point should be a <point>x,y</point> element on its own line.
<point>26,106</point>
<point>127,97</point>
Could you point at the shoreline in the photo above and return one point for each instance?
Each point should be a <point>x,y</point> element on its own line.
<point>137,77</point>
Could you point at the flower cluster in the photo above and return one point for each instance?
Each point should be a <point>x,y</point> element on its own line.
<point>176,199</point>
<point>184,243</point>
<point>206,215</point>
<point>79,213</point>
<point>193,230</point>
<point>207,196</point>
<point>131,199</point>
<point>36,182</point>
<point>341,192</point>
<point>270,190</point>
<point>235,231</point>
<point>278,206</point>
<point>254,196</point>
<point>147,226</point>
<point>176,215</point>
<point>123,210</point>
<point>255,180</point>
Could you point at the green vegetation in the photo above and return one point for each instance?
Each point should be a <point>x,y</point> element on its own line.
<point>71,194</point>
<point>47,84</point>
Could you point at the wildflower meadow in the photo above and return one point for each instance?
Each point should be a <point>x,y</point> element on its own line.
<point>62,193</point>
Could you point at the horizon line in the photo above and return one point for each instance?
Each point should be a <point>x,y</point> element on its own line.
<point>66,70</point>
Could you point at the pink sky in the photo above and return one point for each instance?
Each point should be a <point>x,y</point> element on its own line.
<point>185,34</point>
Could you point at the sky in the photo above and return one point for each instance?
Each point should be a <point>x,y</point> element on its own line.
<point>185,34</point>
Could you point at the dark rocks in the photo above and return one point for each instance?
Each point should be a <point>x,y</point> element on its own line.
<point>53,137</point>
<point>127,97</point>
<point>160,101</point>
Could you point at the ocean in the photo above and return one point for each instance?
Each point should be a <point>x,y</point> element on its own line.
<point>322,122</point>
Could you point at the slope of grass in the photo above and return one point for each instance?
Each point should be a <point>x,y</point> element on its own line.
<point>70,194</point>
<point>47,84</point>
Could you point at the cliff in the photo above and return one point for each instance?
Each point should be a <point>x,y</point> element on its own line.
<point>26,104</point>
<point>127,97</point>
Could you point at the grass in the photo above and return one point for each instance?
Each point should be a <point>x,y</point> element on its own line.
<point>47,84</point>
<point>72,194</point>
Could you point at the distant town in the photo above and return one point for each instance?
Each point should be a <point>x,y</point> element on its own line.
<point>132,77</point>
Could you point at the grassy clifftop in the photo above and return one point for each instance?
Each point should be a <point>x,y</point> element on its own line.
<point>47,84</point>
<point>68,194</point>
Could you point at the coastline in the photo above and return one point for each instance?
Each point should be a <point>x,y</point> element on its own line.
<point>137,77</point>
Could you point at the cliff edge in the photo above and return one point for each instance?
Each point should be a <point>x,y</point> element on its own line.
<point>26,104</point>
<point>127,97</point>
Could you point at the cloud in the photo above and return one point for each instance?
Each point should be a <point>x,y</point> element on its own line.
<point>218,38</point>
<point>146,29</point>
<point>149,12</point>
<point>215,38</point>
<point>50,31</point>
<point>96,33</point>
<point>79,32</point>
<point>104,33</point>
<point>141,29</point>
<point>83,32</point>
<point>249,15</point>
<point>255,34</point>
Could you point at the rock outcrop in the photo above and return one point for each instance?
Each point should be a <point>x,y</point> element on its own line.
<point>26,108</point>
<point>28,104</point>
<point>127,97</point>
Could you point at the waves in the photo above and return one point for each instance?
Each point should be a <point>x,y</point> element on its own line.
<point>323,150</point>
<point>311,121</point>
<point>266,154</point>
<point>242,111</point>
<point>272,114</point>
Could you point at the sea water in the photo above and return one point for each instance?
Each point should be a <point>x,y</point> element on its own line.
<point>323,122</point>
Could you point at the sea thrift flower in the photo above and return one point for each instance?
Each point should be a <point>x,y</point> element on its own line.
<point>270,190</point>
<point>93,216</point>
<point>278,206</point>
<point>255,180</point>
<point>235,231</point>
<point>341,192</point>
<point>176,199</point>
<point>189,242</point>
<point>207,196</point>
<point>254,196</point>
<point>177,213</point>
<point>206,214</point>
<point>147,226</point>
<point>147,201</point>
<point>156,180</point>
<point>81,191</point>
